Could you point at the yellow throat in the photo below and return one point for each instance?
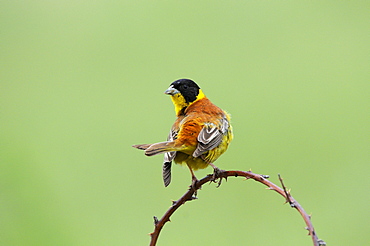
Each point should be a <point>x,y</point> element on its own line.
<point>179,101</point>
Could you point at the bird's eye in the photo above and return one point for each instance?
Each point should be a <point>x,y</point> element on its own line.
<point>185,87</point>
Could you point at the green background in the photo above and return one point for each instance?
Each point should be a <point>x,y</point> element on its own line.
<point>81,81</point>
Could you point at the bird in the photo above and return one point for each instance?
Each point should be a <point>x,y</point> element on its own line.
<point>200,135</point>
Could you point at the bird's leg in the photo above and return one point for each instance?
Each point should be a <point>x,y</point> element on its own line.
<point>216,174</point>
<point>216,171</point>
<point>194,181</point>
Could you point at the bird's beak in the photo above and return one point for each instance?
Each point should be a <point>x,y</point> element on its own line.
<point>171,91</point>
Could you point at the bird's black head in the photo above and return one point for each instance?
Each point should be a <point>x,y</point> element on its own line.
<point>186,87</point>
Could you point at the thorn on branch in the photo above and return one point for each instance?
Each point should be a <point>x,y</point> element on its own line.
<point>309,231</point>
<point>287,193</point>
<point>321,242</point>
<point>155,220</point>
<point>192,198</point>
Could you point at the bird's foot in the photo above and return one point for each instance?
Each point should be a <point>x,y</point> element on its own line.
<point>217,176</point>
<point>193,186</point>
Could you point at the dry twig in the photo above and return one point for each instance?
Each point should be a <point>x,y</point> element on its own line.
<point>189,195</point>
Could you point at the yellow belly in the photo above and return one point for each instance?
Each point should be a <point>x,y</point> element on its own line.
<point>210,156</point>
<point>194,163</point>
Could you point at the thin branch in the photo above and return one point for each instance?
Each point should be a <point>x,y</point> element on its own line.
<point>189,195</point>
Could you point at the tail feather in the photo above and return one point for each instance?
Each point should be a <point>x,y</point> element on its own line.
<point>141,146</point>
<point>166,173</point>
<point>159,148</point>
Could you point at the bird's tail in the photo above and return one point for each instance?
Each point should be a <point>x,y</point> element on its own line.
<point>157,148</point>
<point>141,146</point>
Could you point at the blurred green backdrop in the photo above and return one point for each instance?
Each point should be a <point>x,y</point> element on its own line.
<point>81,81</point>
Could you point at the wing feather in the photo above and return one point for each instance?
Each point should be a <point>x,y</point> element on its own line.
<point>211,136</point>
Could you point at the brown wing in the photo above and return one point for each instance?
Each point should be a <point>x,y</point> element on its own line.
<point>211,136</point>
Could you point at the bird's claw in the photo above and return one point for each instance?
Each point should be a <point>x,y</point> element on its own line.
<point>216,176</point>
